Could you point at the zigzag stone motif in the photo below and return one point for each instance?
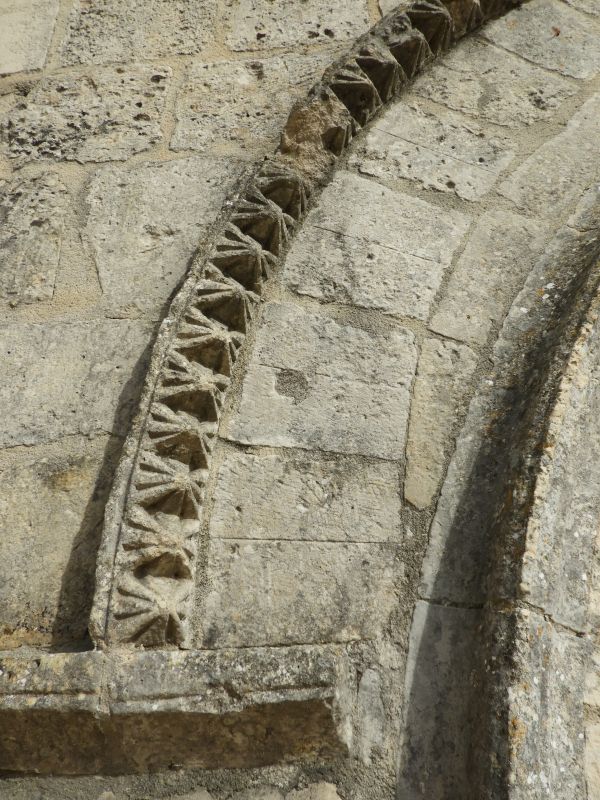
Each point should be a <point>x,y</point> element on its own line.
<point>148,559</point>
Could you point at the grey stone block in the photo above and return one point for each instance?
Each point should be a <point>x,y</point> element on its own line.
<point>107,116</point>
<point>52,500</point>
<point>65,378</point>
<point>307,498</point>
<point>551,35</point>
<point>145,223</point>
<point>327,386</point>
<point>550,181</point>
<point>33,212</point>
<point>364,245</point>
<point>256,24</point>
<point>491,84</point>
<point>275,593</point>
<point>441,151</point>
<point>26,28</point>
<point>109,30</point>
<point>443,376</point>
<point>254,100</point>
<point>500,253</point>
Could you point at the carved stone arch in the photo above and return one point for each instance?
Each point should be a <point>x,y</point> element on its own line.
<point>155,692</point>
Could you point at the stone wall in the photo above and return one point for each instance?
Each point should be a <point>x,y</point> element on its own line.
<point>411,354</point>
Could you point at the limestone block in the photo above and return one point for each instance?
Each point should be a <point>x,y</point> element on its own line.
<point>371,716</point>
<point>592,680</point>
<point>281,592</point>
<point>493,85</point>
<point>105,117</point>
<point>52,500</point>
<point>316,791</point>
<point>254,100</point>
<point>293,496</point>
<point>61,378</point>
<point>552,178</point>
<point>32,210</point>
<point>26,28</point>
<point>258,793</point>
<point>546,709</point>
<point>145,223</point>
<point>364,245</point>
<point>315,384</point>
<point>590,7</point>
<point>501,251</point>
<point>441,151</point>
<point>256,24</point>
<point>592,760</point>
<point>443,376</point>
<point>110,30</point>
<point>551,35</point>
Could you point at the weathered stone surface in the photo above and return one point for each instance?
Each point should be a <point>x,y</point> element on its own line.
<point>551,35</point>
<point>550,181</point>
<point>445,370</point>
<point>145,223</point>
<point>25,32</point>
<point>437,711</point>
<point>592,764</point>
<point>259,793</point>
<point>500,253</point>
<point>589,6</point>
<point>256,24</point>
<point>65,378</point>
<point>306,498</point>
<point>109,30</point>
<point>371,715</point>
<point>107,116</point>
<point>363,245</point>
<point>546,709</point>
<point>441,151</point>
<point>275,593</point>
<point>316,791</point>
<point>52,502</point>
<point>592,679</point>
<point>255,99</point>
<point>493,85</point>
<point>32,212</point>
<point>363,379</point>
<point>558,564</point>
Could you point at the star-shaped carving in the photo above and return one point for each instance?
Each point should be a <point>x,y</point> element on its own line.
<point>168,484</point>
<point>160,545</point>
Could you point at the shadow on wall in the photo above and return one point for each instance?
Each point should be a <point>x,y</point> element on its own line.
<point>457,731</point>
<point>70,629</point>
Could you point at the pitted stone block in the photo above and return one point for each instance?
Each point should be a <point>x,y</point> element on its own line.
<point>362,377</point>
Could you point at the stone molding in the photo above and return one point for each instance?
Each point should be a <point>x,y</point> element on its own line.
<point>146,572</point>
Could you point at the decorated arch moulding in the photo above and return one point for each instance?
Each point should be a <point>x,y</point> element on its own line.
<point>144,698</point>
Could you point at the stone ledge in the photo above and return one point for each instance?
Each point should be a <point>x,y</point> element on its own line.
<point>115,712</point>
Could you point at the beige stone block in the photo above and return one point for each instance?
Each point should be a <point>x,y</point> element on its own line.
<point>308,498</point>
<point>551,180</point>
<point>500,253</point>
<point>145,223</point>
<point>26,28</point>
<point>364,245</point>
<point>316,791</point>
<point>275,593</point>
<point>443,377</point>
<point>111,30</point>
<point>256,24</point>
<point>51,509</point>
<point>592,760</point>
<point>551,35</point>
<point>491,84</point>
<point>589,6</point>
<point>106,116</point>
<point>63,378</point>
<point>442,151</point>
<point>33,211</point>
<point>315,384</point>
<point>255,98</point>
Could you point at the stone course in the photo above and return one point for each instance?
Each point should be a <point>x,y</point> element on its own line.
<point>25,31</point>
